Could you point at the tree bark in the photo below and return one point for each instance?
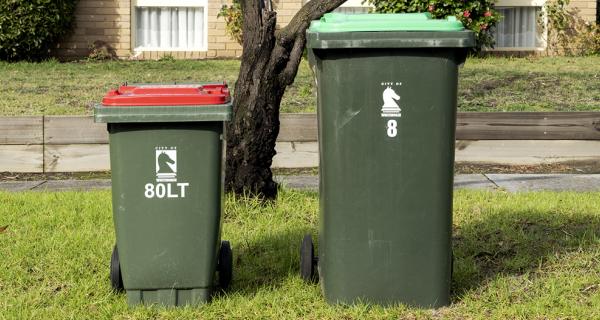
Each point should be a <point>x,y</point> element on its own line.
<point>270,61</point>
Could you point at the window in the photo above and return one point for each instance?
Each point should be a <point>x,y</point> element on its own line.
<point>175,25</point>
<point>519,26</point>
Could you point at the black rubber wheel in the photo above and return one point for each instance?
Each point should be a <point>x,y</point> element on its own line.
<point>307,259</point>
<point>225,265</point>
<point>116,279</point>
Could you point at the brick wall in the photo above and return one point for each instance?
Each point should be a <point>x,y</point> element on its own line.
<point>586,8</point>
<point>220,45</point>
<point>286,9</point>
<point>109,21</point>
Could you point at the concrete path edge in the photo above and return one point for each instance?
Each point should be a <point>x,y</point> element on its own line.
<point>508,182</point>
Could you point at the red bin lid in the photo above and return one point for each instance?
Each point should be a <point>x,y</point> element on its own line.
<point>167,95</point>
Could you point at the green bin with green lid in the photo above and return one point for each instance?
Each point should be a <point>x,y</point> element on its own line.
<point>166,158</point>
<point>387,88</point>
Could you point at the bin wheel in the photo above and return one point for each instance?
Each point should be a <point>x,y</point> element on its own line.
<point>307,259</point>
<point>116,278</point>
<point>225,265</point>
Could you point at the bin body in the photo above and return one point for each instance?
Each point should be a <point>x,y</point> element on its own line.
<point>166,164</point>
<point>387,115</point>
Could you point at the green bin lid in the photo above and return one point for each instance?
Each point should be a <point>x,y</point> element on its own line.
<point>402,30</point>
<point>339,22</point>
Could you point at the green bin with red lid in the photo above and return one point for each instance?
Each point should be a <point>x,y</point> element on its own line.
<point>166,157</point>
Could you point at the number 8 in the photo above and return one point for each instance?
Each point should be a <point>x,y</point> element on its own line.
<point>149,193</point>
<point>392,128</point>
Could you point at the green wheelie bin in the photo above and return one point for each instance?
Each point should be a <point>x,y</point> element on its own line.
<point>166,158</point>
<point>387,87</point>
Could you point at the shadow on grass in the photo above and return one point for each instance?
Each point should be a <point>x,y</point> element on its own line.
<point>267,261</point>
<point>514,243</point>
<point>508,242</point>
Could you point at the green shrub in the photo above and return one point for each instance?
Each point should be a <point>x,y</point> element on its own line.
<point>29,28</point>
<point>568,33</point>
<point>478,16</point>
<point>233,20</point>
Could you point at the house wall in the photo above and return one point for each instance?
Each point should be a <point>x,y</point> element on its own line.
<point>109,21</point>
<point>219,43</point>
<point>286,9</point>
<point>586,8</point>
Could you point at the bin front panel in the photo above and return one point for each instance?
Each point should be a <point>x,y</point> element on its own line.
<point>166,180</point>
<point>386,131</point>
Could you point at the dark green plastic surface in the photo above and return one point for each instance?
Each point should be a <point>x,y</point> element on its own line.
<point>388,40</point>
<point>386,196</point>
<point>167,246</point>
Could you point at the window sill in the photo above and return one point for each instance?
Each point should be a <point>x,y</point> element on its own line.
<point>506,49</point>
<point>171,3</point>
<point>520,3</point>
<point>170,49</point>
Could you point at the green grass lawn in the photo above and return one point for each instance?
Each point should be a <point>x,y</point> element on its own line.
<point>490,84</point>
<point>518,256</point>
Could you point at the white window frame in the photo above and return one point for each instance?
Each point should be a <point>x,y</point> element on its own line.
<point>355,4</point>
<point>168,3</point>
<point>543,32</point>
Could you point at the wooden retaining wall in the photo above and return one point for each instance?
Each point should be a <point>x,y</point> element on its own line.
<point>76,143</point>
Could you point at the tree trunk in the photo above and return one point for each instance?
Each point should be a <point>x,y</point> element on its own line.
<point>270,62</point>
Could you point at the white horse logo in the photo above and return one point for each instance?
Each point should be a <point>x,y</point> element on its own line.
<point>389,102</point>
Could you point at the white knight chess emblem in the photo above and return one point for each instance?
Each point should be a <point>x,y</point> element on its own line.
<point>166,165</point>
<point>390,106</point>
